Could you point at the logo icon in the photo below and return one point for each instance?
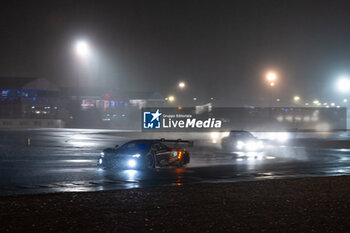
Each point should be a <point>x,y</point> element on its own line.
<point>151,120</point>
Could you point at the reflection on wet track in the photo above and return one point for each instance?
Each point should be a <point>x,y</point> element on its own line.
<point>65,160</point>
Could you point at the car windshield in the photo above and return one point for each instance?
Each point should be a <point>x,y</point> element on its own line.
<point>245,135</point>
<point>130,147</point>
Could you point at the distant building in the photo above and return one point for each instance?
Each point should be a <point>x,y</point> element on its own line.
<point>22,97</point>
<point>37,98</point>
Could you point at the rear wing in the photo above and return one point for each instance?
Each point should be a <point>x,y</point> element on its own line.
<point>178,141</point>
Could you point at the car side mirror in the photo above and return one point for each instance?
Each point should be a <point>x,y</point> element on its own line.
<point>116,146</point>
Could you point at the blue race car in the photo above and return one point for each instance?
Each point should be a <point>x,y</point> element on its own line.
<point>141,154</point>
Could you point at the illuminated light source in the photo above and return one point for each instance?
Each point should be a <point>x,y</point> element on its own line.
<point>194,98</point>
<point>343,84</point>
<point>280,118</point>
<point>271,77</point>
<point>272,84</point>
<point>132,163</point>
<point>278,100</point>
<point>306,104</point>
<point>180,155</point>
<point>316,102</point>
<point>325,104</point>
<point>136,156</point>
<point>296,98</point>
<point>214,135</point>
<point>100,161</point>
<point>182,85</point>
<point>251,145</point>
<point>171,98</point>
<point>345,100</point>
<point>240,145</point>
<point>332,104</point>
<point>82,49</point>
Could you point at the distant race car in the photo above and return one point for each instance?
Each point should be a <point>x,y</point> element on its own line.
<point>140,154</point>
<point>241,141</point>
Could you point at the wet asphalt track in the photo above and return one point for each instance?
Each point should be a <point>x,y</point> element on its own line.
<point>66,160</point>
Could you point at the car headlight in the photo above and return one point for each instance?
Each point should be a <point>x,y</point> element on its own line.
<point>251,145</point>
<point>136,156</point>
<point>240,145</point>
<point>132,163</point>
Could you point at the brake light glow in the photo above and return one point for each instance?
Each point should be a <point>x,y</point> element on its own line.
<point>180,154</point>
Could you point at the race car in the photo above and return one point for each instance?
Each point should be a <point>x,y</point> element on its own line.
<point>141,154</point>
<point>241,141</point>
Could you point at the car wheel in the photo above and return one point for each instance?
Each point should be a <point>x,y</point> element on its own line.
<point>150,163</point>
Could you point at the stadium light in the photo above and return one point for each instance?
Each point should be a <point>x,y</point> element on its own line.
<point>182,85</point>
<point>343,84</point>
<point>271,77</point>
<point>82,49</point>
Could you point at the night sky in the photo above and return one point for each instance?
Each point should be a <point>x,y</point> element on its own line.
<point>222,49</point>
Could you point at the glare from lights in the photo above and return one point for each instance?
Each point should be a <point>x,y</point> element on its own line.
<point>182,85</point>
<point>343,84</point>
<point>194,98</point>
<point>214,135</point>
<point>171,98</point>
<point>345,100</point>
<point>306,104</point>
<point>132,163</point>
<point>278,136</point>
<point>278,100</point>
<point>271,77</point>
<point>272,84</point>
<point>296,98</point>
<point>82,49</point>
<point>316,102</point>
<point>332,104</point>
